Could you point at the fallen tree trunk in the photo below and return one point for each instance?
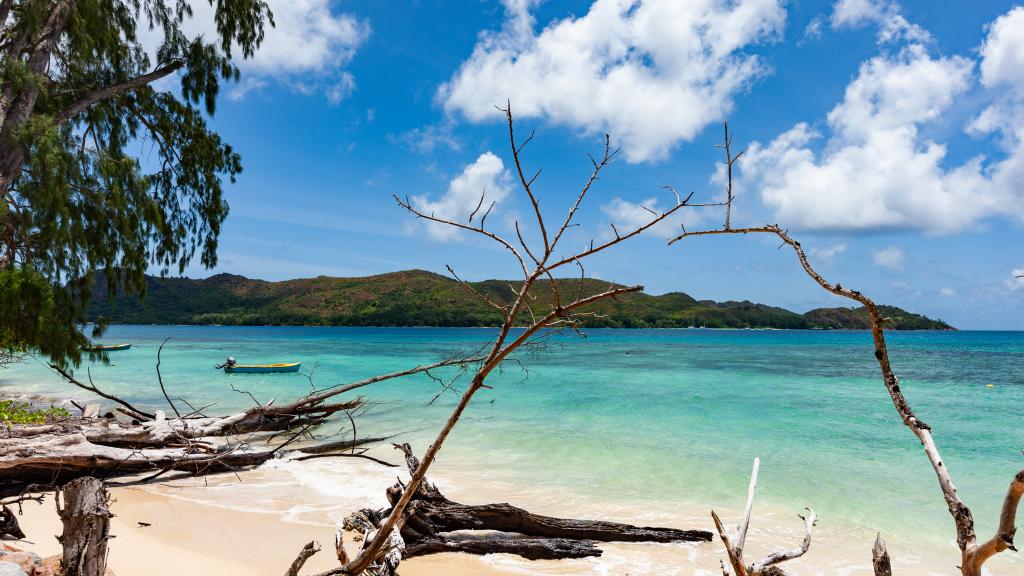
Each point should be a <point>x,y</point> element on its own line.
<point>430,523</point>
<point>57,457</point>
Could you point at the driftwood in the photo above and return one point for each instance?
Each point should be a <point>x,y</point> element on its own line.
<point>880,558</point>
<point>40,457</point>
<point>86,518</point>
<point>430,519</point>
<point>44,456</point>
<point>735,542</point>
<point>9,524</point>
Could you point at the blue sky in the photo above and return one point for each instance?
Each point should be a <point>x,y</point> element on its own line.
<point>887,136</point>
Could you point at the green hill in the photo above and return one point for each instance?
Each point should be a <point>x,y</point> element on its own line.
<point>419,298</point>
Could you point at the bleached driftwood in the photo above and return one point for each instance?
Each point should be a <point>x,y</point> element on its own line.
<point>430,518</point>
<point>736,541</point>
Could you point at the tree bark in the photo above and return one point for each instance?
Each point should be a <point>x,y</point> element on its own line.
<point>426,523</point>
<point>86,518</point>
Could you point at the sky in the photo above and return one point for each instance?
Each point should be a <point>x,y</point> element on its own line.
<point>887,137</point>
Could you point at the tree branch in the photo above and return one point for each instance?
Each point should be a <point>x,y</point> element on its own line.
<point>95,96</point>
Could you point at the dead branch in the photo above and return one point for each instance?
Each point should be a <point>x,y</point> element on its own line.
<point>431,523</point>
<point>880,557</point>
<point>735,543</point>
<point>973,554</point>
<point>307,551</point>
<point>559,314</point>
<point>135,412</point>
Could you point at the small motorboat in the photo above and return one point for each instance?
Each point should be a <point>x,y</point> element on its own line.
<point>107,348</point>
<point>232,367</point>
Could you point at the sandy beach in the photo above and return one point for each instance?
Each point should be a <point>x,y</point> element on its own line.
<point>184,537</point>
<point>205,526</point>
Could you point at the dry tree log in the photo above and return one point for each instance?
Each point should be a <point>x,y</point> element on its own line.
<point>973,553</point>
<point>86,518</point>
<point>880,557</point>
<point>734,543</point>
<point>44,456</point>
<point>429,520</point>
<point>538,261</point>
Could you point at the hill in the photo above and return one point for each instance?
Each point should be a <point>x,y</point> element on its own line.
<point>420,298</point>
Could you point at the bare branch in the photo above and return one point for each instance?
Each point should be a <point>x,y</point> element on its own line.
<point>161,380</point>
<point>408,206</point>
<point>136,413</point>
<point>779,557</point>
<point>308,550</point>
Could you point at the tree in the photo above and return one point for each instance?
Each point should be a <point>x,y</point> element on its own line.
<point>77,106</point>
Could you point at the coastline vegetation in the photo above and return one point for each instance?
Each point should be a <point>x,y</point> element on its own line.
<point>14,412</point>
<point>421,298</point>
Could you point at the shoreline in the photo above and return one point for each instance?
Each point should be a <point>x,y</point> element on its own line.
<point>195,524</point>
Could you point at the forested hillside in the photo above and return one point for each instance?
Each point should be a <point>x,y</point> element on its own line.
<point>419,298</point>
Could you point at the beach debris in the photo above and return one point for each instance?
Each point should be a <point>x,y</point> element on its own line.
<point>880,557</point>
<point>9,524</point>
<point>86,516</point>
<point>735,541</point>
<point>431,523</point>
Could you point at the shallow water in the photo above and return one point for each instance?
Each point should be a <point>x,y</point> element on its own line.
<point>643,425</point>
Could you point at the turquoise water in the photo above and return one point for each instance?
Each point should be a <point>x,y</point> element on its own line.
<point>649,419</point>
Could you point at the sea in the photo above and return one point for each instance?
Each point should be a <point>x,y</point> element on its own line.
<point>642,426</point>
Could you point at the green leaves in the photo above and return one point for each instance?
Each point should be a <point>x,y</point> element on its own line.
<point>12,412</point>
<point>76,198</point>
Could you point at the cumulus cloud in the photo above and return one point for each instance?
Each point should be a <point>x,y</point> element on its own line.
<point>650,72</point>
<point>1016,279</point>
<point>873,169</point>
<point>876,171</point>
<point>486,175</point>
<point>307,50</point>
<point>891,258</point>
<point>1002,74</point>
<point>892,25</point>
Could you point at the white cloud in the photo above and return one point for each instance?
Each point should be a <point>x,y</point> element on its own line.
<point>947,291</point>
<point>628,216</point>
<point>650,72</point>
<point>429,138</point>
<point>487,176</point>
<point>828,253</point>
<point>1002,74</point>
<point>892,25</point>
<point>1016,279</point>
<point>875,170</point>
<point>891,258</point>
<point>307,50</point>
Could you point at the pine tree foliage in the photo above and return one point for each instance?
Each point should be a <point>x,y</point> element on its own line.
<point>101,172</point>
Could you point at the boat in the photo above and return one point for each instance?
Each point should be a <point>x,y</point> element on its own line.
<point>107,348</point>
<point>262,368</point>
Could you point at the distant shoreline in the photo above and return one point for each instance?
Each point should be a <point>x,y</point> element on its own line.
<point>623,328</point>
<point>419,298</point>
